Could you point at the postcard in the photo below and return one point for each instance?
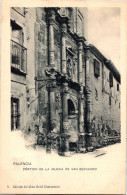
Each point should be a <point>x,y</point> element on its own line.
<point>63,97</point>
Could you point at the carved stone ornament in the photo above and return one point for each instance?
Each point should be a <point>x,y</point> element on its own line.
<point>69,67</point>
<point>65,88</point>
<point>88,56</point>
<point>74,61</point>
<point>57,97</point>
<point>51,85</point>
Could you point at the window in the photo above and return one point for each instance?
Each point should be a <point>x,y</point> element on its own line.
<point>15,115</point>
<point>110,100</point>
<point>110,79</point>
<point>18,52</point>
<point>117,87</point>
<point>96,68</point>
<point>96,94</point>
<point>71,108</point>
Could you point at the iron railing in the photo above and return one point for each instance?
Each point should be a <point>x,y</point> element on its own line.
<point>18,56</point>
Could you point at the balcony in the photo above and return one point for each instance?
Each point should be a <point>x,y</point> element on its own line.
<point>18,58</point>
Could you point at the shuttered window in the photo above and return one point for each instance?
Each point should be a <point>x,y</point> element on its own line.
<point>110,79</point>
<point>110,100</point>
<point>96,68</point>
<point>117,87</point>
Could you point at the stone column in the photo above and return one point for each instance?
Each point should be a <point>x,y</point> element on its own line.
<point>65,107</point>
<point>52,116</point>
<point>51,20</point>
<point>81,143</point>
<point>89,137</point>
<point>64,31</point>
<point>80,49</point>
<point>87,77</point>
<point>88,112</point>
<point>64,135</point>
<point>81,113</point>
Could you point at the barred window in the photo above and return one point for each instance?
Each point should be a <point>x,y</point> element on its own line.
<point>15,115</point>
<point>18,51</point>
<point>96,68</point>
<point>110,79</point>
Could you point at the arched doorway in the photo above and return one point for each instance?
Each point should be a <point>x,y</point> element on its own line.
<point>72,125</point>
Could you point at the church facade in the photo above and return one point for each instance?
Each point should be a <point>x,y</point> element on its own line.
<point>65,95</point>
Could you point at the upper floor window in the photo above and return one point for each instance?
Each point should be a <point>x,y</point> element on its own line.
<point>96,68</point>
<point>71,107</point>
<point>110,79</point>
<point>117,87</point>
<point>15,115</point>
<point>96,94</point>
<point>110,100</point>
<point>18,52</point>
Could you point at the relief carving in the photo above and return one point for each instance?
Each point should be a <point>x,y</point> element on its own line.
<point>71,66</point>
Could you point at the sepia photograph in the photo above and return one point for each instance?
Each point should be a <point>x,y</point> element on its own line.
<point>65,94</point>
<point>63,117</point>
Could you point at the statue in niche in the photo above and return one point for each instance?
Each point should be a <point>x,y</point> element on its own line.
<point>74,65</point>
<point>69,67</point>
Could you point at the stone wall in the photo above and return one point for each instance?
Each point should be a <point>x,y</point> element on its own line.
<point>105,118</point>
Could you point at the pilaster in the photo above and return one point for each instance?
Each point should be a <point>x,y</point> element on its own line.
<point>65,107</point>
<point>80,50</point>
<point>64,31</point>
<point>89,136</point>
<point>87,83</point>
<point>81,136</point>
<point>51,21</point>
<point>64,136</point>
<point>51,90</point>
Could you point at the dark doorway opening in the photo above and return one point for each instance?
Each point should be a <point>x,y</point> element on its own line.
<point>72,146</point>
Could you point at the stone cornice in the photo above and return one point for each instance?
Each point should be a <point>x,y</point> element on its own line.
<point>60,79</point>
<point>52,8</point>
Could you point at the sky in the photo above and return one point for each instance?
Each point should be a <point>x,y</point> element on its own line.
<point>104,32</point>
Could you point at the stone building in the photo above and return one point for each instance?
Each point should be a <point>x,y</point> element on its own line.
<point>65,95</point>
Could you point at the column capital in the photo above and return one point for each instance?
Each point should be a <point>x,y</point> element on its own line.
<point>64,29</point>
<point>51,15</point>
<point>80,46</point>
<point>88,92</point>
<point>51,85</point>
<point>81,41</point>
<point>87,56</point>
<point>64,20</point>
<point>81,96</point>
<point>65,87</point>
